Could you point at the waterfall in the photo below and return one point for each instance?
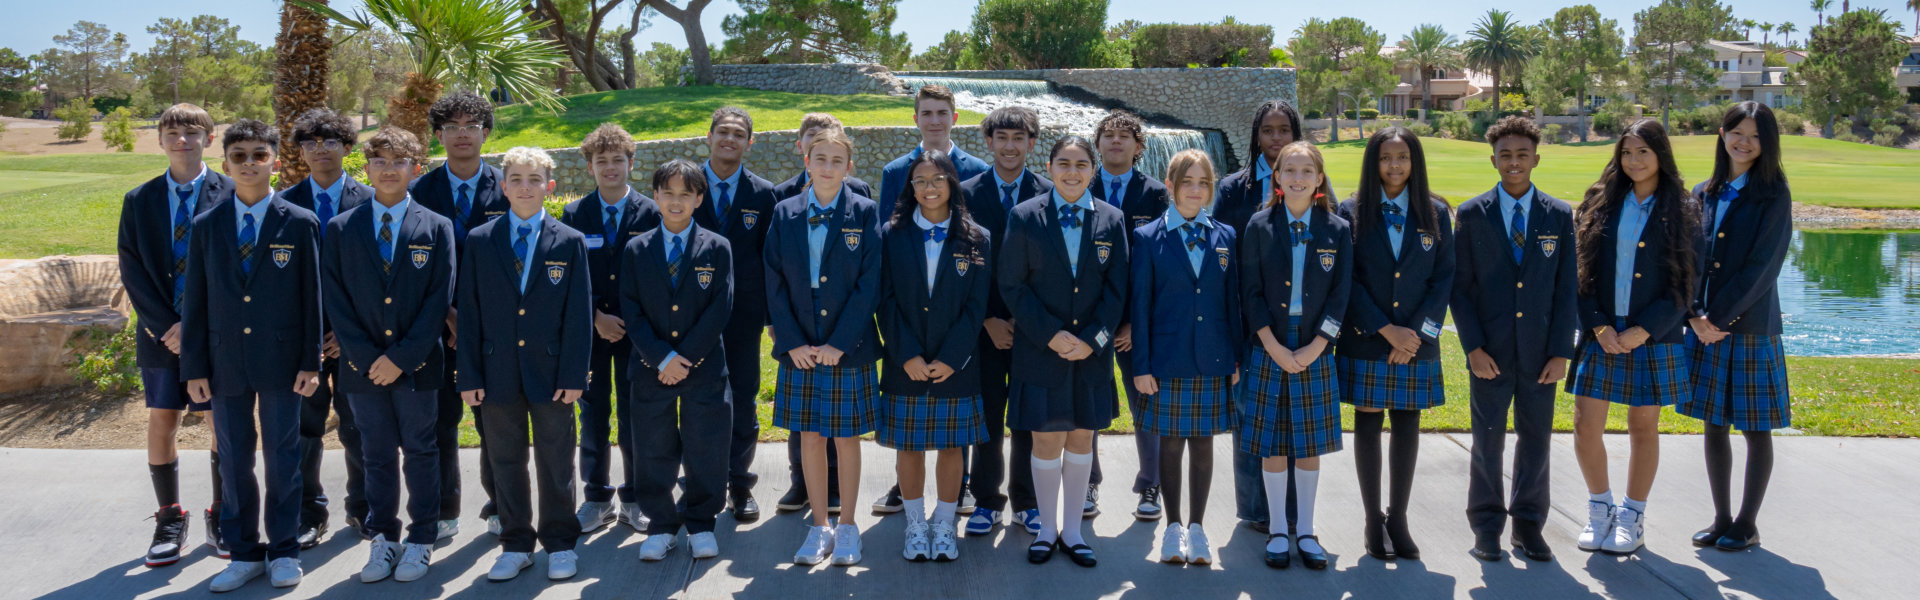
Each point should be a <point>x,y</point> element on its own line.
<point>1162,144</point>
<point>1021,88</point>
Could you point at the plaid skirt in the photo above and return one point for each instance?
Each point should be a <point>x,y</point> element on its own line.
<point>1190,407</point>
<point>926,423</point>
<point>1381,384</point>
<point>1740,381</point>
<point>1286,414</point>
<point>1651,375</point>
<point>831,401</point>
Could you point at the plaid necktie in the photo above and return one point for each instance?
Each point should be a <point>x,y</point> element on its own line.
<point>1070,216</point>
<point>323,208</point>
<point>1395,218</point>
<point>673,262</point>
<point>462,210</point>
<point>1299,233</point>
<point>817,216</point>
<point>1006,195</point>
<point>386,244</point>
<point>611,224</point>
<point>723,201</point>
<point>182,234</point>
<point>520,255</point>
<point>1518,234</point>
<point>247,236</point>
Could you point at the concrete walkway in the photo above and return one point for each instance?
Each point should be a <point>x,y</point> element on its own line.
<point>72,523</point>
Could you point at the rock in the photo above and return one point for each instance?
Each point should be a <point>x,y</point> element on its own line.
<point>44,303</point>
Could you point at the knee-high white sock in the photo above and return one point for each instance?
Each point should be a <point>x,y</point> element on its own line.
<point>1306,484</point>
<point>1276,484</point>
<point>1046,491</point>
<point>916,509</point>
<point>1077,472</point>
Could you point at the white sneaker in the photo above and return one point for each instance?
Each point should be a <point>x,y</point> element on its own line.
<point>917,546</point>
<point>562,565</point>
<point>946,545</point>
<point>1599,526</point>
<point>284,572</point>
<point>493,525</point>
<point>630,515</point>
<point>509,565</point>
<point>1092,506</point>
<point>846,545</point>
<point>447,529</point>
<point>1629,527</point>
<point>656,546</point>
<point>594,516</point>
<point>413,563</point>
<point>819,544</point>
<point>704,545</point>
<point>1199,552</point>
<point>237,574</point>
<point>1173,544</point>
<point>380,556</point>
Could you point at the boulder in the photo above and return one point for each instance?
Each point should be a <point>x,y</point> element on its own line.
<point>44,303</point>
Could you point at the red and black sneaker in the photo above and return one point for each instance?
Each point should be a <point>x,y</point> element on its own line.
<point>214,540</point>
<point>169,536</point>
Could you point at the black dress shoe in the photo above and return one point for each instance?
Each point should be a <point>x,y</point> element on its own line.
<point>1082,555</point>
<point>1708,537</point>
<point>1487,548</point>
<point>1376,533</point>
<point>1403,546</point>
<point>1532,545</point>
<point>745,510</point>
<point>310,535</point>
<point>1260,526</point>
<point>794,499</point>
<point>1278,560</point>
<point>358,526</point>
<point>1040,552</point>
<point>1738,538</point>
<point>1312,560</point>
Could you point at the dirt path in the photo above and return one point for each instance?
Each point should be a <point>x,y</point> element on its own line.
<point>76,417</point>
<point>37,136</point>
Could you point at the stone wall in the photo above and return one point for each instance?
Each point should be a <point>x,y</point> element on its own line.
<point>841,78</point>
<point>44,303</point>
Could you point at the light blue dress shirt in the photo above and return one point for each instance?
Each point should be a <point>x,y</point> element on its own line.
<point>1106,185</point>
<point>817,236</point>
<point>931,247</point>
<point>1073,235</point>
<point>619,206</point>
<point>1507,202</point>
<point>533,241</point>
<point>1726,199</point>
<point>399,212</point>
<point>713,188</point>
<point>1634,215</point>
<point>259,212</point>
<point>333,193</point>
<point>473,183</point>
<point>1396,237</point>
<point>1177,225</point>
<point>1299,259</point>
<point>1263,172</point>
<point>193,199</point>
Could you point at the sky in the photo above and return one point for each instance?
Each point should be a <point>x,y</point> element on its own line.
<point>33,24</point>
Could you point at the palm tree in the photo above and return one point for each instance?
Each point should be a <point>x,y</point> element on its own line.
<point>302,70</point>
<point>1787,28</point>
<point>476,45</point>
<point>1498,44</point>
<point>1746,28</point>
<point>1428,48</point>
<point>1820,9</point>
<point>1765,28</point>
<point>1914,5</point>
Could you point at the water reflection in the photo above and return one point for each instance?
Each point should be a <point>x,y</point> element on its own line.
<point>1852,292</point>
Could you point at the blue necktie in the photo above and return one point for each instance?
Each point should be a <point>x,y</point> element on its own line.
<point>1395,218</point>
<point>1519,234</point>
<point>182,234</point>
<point>1006,195</point>
<point>1118,187</point>
<point>673,262</point>
<point>611,224</point>
<point>323,208</point>
<point>724,201</point>
<point>1299,233</point>
<point>1070,216</point>
<point>520,255</point>
<point>817,216</point>
<point>938,234</point>
<point>462,210</point>
<point>247,236</point>
<point>386,244</point>
<point>1195,233</point>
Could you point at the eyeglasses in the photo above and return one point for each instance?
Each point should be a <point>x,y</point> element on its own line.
<point>937,182</point>
<point>257,156</point>
<point>318,145</point>
<point>457,128</point>
<point>389,163</point>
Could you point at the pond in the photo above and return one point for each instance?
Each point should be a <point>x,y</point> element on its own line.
<point>1851,292</point>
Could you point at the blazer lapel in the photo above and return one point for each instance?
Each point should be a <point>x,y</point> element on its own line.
<point>1055,235</point>
<point>503,236</point>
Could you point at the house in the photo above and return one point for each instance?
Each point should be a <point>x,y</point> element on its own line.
<point>1744,75</point>
<point>1450,91</point>
<point>1907,77</point>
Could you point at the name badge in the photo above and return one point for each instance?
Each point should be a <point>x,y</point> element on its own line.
<point>1330,326</point>
<point>1430,328</point>
<point>595,241</point>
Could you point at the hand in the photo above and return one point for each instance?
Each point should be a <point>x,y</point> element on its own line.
<point>1001,332</point>
<point>1306,356</point>
<point>1080,351</point>
<point>676,370</point>
<point>171,339</point>
<point>1555,370</point>
<point>1705,331</point>
<point>1283,358</point>
<point>1146,384</point>
<point>1632,339</point>
<point>1609,340</point>
<point>306,383</point>
<point>1399,357</point>
<point>566,396</point>
<point>453,328</point>
<point>1236,375</point>
<point>803,357</point>
<point>1403,339</point>
<point>916,369</point>
<point>330,348</point>
<point>939,372</point>
<point>610,328</point>
<point>199,391</point>
<point>1123,340</point>
<point>384,372</point>
<point>829,355</point>
<point>473,397</point>
<point>1481,364</point>
<point>1062,343</point>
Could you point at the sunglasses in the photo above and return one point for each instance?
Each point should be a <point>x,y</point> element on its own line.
<point>255,157</point>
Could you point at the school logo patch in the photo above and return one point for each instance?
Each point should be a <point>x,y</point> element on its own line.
<point>1548,245</point>
<point>703,276</point>
<point>1102,250</point>
<point>419,258</point>
<point>852,238</point>
<point>282,256</point>
<point>748,218</point>
<point>960,266</point>
<point>1138,221</point>
<point>555,273</point>
<point>1426,241</point>
<point>1326,261</point>
<point>1222,252</point>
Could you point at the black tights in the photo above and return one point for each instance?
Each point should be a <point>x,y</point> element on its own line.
<point>1200,473</point>
<point>1720,469</point>
<point>1366,458</point>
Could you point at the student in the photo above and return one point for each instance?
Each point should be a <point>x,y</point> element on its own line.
<point>253,280</point>
<point>386,282</point>
<point>1241,193</point>
<point>1184,267</point>
<point>466,191</point>
<point>824,335</point>
<point>933,299</point>
<point>1141,198</point>
<point>1064,274</point>
<point>1515,303</point>
<point>608,217</point>
<point>1295,261</point>
<point>810,124</point>
<point>154,239</point>
<point>679,364</point>
<point>1390,362</point>
<point>325,139</point>
<point>1734,354</point>
<point>742,211</point>
<point>1010,134</point>
<point>1638,219</point>
<point>935,115</point>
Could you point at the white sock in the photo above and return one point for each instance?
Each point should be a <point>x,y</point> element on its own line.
<point>1305,485</point>
<point>1276,484</point>
<point>916,509</point>
<point>1638,506</point>
<point>1077,472</point>
<point>1605,497</point>
<point>944,511</point>
<point>1046,490</point>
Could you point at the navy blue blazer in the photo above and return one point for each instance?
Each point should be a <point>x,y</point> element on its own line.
<point>749,218</point>
<point>1266,275</point>
<point>1144,199</point>
<point>688,318</point>
<point>605,248</point>
<point>1528,311</point>
<point>434,192</point>
<point>352,194</point>
<point>982,193</point>
<point>531,342</point>
<point>1233,203</point>
<point>1411,291</point>
<point>399,317</point>
<point>849,289</point>
<point>249,334</point>
<point>1740,265</point>
<point>798,183</point>
<point>1651,306</point>
<point>946,328</point>
<point>1047,296</point>
<point>146,260</point>
<point>893,178</point>
<point>1185,325</point>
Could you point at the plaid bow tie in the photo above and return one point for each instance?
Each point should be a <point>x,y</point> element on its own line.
<point>1195,234</point>
<point>1299,233</point>
<point>1070,216</point>
<point>817,216</point>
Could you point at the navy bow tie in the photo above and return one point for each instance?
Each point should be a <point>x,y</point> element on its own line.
<point>1070,216</point>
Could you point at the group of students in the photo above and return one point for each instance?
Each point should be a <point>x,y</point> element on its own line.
<point>1252,305</point>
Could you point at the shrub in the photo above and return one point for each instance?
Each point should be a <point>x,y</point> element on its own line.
<point>1550,133</point>
<point>1040,34</point>
<point>1606,123</point>
<point>1224,44</point>
<point>104,359</point>
<point>1421,129</point>
<point>1413,113</point>
<point>1846,136</point>
<point>1456,126</point>
<point>1314,114</point>
<point>118,132</point>
<point>1364,113</point>
<point>76,120</point>
<point>1886,134</point>
<point>1790,123</point>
